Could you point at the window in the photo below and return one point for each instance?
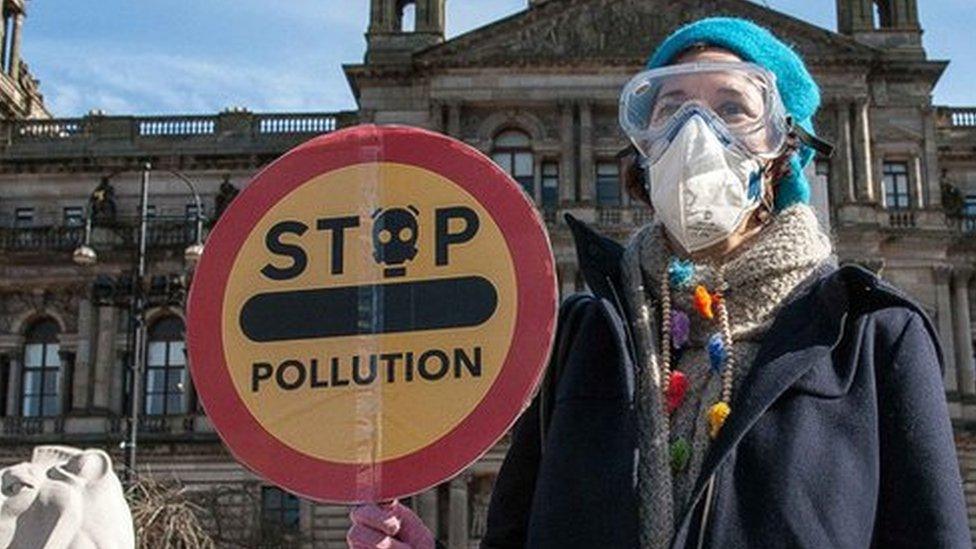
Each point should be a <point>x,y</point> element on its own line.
<point>279,511</point>
<point>969,213</point>
<point>513,153</point>
<point>40,393</point>
<point>74,216</point>
<point>24,217</point>
<point>407,16</point>
<point>896,185</point>
<point>607,184</point>
<point>550,184</point>
<point>165,385</point>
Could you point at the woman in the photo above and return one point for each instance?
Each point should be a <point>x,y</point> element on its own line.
<point>727,385</point>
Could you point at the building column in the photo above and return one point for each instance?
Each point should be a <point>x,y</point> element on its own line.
<point>963,332</point>
<point>105,357</point>
<point>426,508</point>
<point>537,180</point>
<point>457,534</point>
<point>918,188</point>
<point>862,151</point>
<point>3,36</point>
<point>587,170</point>
<point>567,156</point>
<point>83,356</point>
<point>13,387</point>
<point>435,117</point>
<point>15,46</point>
<point>943,298</point>
<point>841,164</point>
<point>933,182</point>
<point>66,375</point>
<point>454,120</point>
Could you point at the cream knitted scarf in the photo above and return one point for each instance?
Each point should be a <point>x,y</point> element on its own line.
<point>762,274</point>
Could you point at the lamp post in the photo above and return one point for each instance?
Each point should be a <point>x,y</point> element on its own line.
<point>85,255</point>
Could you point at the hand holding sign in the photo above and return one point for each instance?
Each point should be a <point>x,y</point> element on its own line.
<point>372,313</point>
<point>387,525</point>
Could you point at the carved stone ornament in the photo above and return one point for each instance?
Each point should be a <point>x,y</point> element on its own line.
<point>64,498</point>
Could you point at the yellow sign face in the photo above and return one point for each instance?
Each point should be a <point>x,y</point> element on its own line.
<point>368,236</point>
<point>371,314</point>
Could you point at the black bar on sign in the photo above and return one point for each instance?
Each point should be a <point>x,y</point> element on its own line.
<point>369,309</point>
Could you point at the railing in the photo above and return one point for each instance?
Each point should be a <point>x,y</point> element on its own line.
<point>956,117</point>
<point>624,216</point>
<point>177,126</point>
<point>609,215</point>
<point>44,130</point>
<point>28,426</point>
<point>550,215</point>
<point>233,128</point>
<point>901,219</point>
<point>167,424</point>
<point>32,239</point>
<point>122,233</point>
<point>297,123</point>
<point>964,224</point>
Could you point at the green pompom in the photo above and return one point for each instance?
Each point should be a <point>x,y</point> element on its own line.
<point>680,454</point>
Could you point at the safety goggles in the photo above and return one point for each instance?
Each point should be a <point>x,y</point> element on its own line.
<point>738,100</point>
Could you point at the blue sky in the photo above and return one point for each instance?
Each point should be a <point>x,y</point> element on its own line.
<point>201,56</point>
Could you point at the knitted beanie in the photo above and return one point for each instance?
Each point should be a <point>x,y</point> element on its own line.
<point>753,43</point>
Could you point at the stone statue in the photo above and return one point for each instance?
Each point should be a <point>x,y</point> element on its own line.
<point>64,498</point>
<point>225,195</point>
<point>102,202</point>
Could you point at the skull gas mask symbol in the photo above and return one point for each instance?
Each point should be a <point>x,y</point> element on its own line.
<point>395,238</point>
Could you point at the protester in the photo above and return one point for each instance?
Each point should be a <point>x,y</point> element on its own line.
<point>727,384</point>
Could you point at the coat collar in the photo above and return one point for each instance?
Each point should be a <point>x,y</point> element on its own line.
<point>816,320</point>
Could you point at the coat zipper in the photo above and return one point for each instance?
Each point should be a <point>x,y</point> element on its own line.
<point>709,494</point>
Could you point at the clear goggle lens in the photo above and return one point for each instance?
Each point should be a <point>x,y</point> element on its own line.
<point>741,98</point>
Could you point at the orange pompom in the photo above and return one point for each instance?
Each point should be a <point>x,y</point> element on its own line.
<point>703,302</point>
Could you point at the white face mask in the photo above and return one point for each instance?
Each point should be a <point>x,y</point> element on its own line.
<point>700,189</point>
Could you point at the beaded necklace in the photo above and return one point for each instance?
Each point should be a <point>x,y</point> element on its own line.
<point>674,383</point>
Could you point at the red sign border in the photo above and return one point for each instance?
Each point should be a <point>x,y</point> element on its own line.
<point>522,368</point>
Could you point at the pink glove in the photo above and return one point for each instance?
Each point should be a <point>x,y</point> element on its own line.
<point>387,526</point>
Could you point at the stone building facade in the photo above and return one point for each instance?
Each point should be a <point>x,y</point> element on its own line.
<point>537,91</point>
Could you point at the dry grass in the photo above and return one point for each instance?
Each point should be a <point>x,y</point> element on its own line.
<point>165,516</point>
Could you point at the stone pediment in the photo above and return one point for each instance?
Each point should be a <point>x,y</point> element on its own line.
<point>620,32</point>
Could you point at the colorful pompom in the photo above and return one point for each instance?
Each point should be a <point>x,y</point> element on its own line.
<point>703,302</point>
<point>680,454</point>
<point>680,326</point>
<point>716,352</point>
<point>716,417</point>
<point>677,387</point>
<point>680,272</point>
<point>716,298</point>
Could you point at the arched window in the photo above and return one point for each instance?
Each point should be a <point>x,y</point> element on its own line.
<point>512,150</point>
<point>165,384</point>
<point>40,382</point>
<point>407,16</point>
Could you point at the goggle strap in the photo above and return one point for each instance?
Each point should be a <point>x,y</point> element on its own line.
<point>823,147</point>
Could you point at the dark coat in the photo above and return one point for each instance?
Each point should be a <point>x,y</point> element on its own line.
<point>839,434</point>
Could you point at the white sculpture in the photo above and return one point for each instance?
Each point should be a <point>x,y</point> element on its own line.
<point>64,498</point>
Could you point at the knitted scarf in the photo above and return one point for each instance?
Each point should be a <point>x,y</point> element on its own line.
<point>762,274</point>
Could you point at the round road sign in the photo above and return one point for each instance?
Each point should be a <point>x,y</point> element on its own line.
<point>371,314</point>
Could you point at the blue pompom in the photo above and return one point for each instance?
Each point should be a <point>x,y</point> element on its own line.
<point>716,352</point>
<point>680,273</point>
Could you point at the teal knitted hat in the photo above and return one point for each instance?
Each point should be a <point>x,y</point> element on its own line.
<point>799,92</point>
